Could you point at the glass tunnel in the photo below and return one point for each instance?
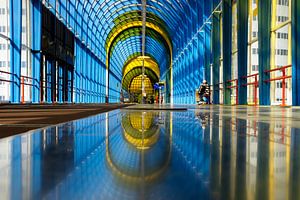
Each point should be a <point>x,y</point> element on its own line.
<point>104,99</point>
<point>81,51</point>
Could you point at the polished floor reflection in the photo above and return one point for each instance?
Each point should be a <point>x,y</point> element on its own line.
<point>211,152</point>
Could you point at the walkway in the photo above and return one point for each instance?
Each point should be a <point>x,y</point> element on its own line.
<point>15,119</point>
<point>206,152</point>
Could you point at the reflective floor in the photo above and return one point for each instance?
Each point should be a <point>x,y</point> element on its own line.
<point>204,153</point>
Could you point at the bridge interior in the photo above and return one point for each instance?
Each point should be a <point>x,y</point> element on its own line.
<point>98,99</point>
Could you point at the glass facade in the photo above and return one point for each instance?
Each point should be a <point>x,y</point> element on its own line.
<point>26,69</point>
<point>221,82</point>
<point>281,50</point>
<point>108,34</point>
<point>253,64</point>
<point>234,52</point>
<point>4,51</point>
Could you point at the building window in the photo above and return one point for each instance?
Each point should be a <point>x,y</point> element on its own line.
<point>25,55</point>
<point>254,67</point>
<point>23,47</point>
<point>253,50</point>
<point>2,47</point>
<point>234,52</point>
<point>23,64</point>
<point>2,11</point>
<point>2,64</point>
<point>283,2</point>
<point>281,48</point>
<point>281,52</point>
<point>2,29</point>
<point>282,35</point>
<point>282,18</point>
<point>254,34</point>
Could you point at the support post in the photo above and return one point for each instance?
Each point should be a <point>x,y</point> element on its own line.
<point>216,53</point>
<point>296,51</point>
<point>243,49</point>
<point>15,49</point>
<point>22,90</point>
<point>227,46</point>
<point>36,33</point>
<point>255,90</point>
<point>144,2</point>
<point>264,46</point>
<point>283,88</point>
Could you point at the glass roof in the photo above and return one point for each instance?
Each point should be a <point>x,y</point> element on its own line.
<point>124,49</point>
<point>112,28</point>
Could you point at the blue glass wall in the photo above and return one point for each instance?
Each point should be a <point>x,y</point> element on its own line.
<point>192,52</point>
<point>179,37</point>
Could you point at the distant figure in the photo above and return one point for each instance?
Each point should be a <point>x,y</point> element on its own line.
<point>121,97</point>
<point>204,93</point>
<point>106,99</point>
<point>152,100</point>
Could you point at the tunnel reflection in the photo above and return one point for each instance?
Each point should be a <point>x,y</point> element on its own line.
<point>253,161</point>
<point>143,151</point>
<point>206,153</point>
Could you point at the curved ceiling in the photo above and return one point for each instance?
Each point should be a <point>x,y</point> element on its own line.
<point>124,49</point>
<point>136,72</point>
<point>112,29</point>
<point>132,68</point>
<point>138,61</point>
<point>108,14</point>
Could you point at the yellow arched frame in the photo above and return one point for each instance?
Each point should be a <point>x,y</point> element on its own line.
<point>137,24</point>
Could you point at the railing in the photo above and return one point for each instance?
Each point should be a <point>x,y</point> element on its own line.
<point>217,86</point>
<point>7,80</point>
<point>255,84</point>
<point>280,78</point>
<point>236,87</point>
<point>29,81</point>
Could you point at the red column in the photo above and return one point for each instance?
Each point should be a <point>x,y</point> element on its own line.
<point>283,87</point>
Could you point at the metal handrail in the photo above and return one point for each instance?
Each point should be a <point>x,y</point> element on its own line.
<point>283,77</point>
<point>255,84</point>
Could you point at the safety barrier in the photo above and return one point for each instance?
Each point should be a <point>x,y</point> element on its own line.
<point>217,86</point>
<point>26,80</point>
<point>280,78</point>
<point>7,80</point>
<point>254,83</point>
<point>236,87</point>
